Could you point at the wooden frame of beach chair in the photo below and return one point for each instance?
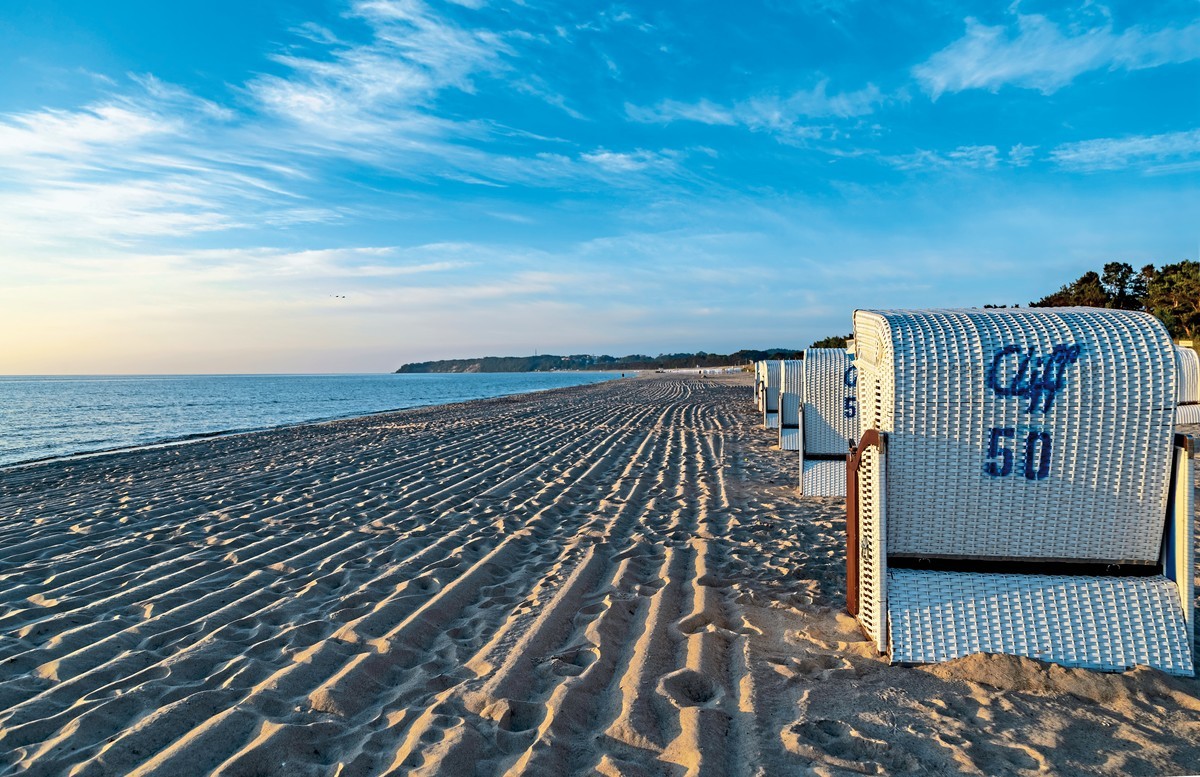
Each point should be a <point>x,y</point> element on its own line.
<point>829,420</point>
<point>791,398</point>
<point>771,394</point>
<point>1070,542</point>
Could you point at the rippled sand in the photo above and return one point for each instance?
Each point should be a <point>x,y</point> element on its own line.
<point>614,579</point>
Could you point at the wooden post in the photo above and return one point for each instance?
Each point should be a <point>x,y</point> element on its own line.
<point>869,438</point>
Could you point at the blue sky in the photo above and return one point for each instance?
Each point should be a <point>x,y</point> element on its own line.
<point>346,186</point>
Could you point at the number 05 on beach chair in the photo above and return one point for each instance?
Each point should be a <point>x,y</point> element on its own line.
<point>1019,489</point>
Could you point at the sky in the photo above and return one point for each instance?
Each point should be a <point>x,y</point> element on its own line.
<point>349,185</point>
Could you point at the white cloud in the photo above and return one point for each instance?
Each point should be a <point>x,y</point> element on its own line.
<point>381,88</point>
<point>1021,155</point>
<point>151,159</point>
<point>788,116</point>
<point>29,138</point>
<point>1154,153</point>
<point>667,111</point>
<point>1038,54</point>
<point>982,157</point>
<point>632,162</point>
<point>962,158</point>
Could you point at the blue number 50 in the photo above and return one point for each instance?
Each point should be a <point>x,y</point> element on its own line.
<point>1032,442</point>
<point>1005,465</point>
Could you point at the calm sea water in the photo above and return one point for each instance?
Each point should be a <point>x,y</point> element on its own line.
<point>43,417</point>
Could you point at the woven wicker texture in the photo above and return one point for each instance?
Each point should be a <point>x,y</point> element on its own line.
<point>1039,433</point>
<point>830,401</point>
<point>760,380</point>
<point>1187,364</point>
<point>773,378</point>
<point>1107,623</point>
<point>791,385</point>
<point>872,554</point>
<point>789,439</point>
<point>823,478</point>
<point>1187,414</point>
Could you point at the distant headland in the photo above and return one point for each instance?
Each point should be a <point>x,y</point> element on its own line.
<point>551,363</point>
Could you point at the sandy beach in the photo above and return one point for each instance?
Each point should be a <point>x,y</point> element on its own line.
<point>616,579</point>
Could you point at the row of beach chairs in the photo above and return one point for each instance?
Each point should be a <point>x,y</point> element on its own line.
<point>813,404</point>
<point>1015,481</point>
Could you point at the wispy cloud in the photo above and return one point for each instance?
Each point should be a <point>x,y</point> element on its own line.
<point>1035,53</point>
<point>631,162</point>
<point>126,166</point>
<point>380,88</point>
<point>31,138</point>
<point>1021,155</point>
<point>150,159</point>
<point>1153,153</point>
<point>969,157</point>
<point>789,116</point>
<point>667,111</point>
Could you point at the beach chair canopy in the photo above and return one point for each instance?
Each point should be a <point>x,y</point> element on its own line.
<point>1037,445</point>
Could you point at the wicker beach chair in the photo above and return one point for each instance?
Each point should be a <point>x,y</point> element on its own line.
<point>771,394</point>
<point>758,385</point>
<point>1019,489</point>
<point>791,385</point>
<point>1187,363</point>
<point>829,421</point>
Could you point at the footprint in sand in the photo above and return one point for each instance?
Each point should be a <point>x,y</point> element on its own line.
<point>689,688</point>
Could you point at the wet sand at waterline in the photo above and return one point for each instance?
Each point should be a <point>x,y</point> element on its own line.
<point>614,579</point>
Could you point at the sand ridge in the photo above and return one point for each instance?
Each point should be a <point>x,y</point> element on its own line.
<point>614,579</point>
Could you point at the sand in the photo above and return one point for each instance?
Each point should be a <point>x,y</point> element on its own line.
<point>616,579</point>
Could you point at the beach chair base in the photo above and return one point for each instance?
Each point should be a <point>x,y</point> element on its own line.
<point>1187,414</point>
<point>789,438</point>
<point>771,420</point>
<point>1106,623</point>
<point>823,477</point>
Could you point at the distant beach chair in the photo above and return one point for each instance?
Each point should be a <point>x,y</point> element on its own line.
<point>1188,368</point>
<point>1019,489</point>
<point>760,385</point>
<point>829,420</point>
<point>771,394</point>
<point>791,385</point>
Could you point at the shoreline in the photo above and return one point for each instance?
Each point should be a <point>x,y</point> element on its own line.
<point>223,433</point>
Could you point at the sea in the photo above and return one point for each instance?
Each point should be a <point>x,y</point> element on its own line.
<point>44,417</point>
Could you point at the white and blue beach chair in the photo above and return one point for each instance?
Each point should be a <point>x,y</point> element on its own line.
<point>1020,489</point>
<point>791,398</point>
<point>1187,363</point>
<point>771,379</point>
<point>760,385</point>
<point>829,420</point>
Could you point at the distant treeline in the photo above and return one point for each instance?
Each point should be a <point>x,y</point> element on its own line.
<point>549,363</point>
<point>1172,293</point>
